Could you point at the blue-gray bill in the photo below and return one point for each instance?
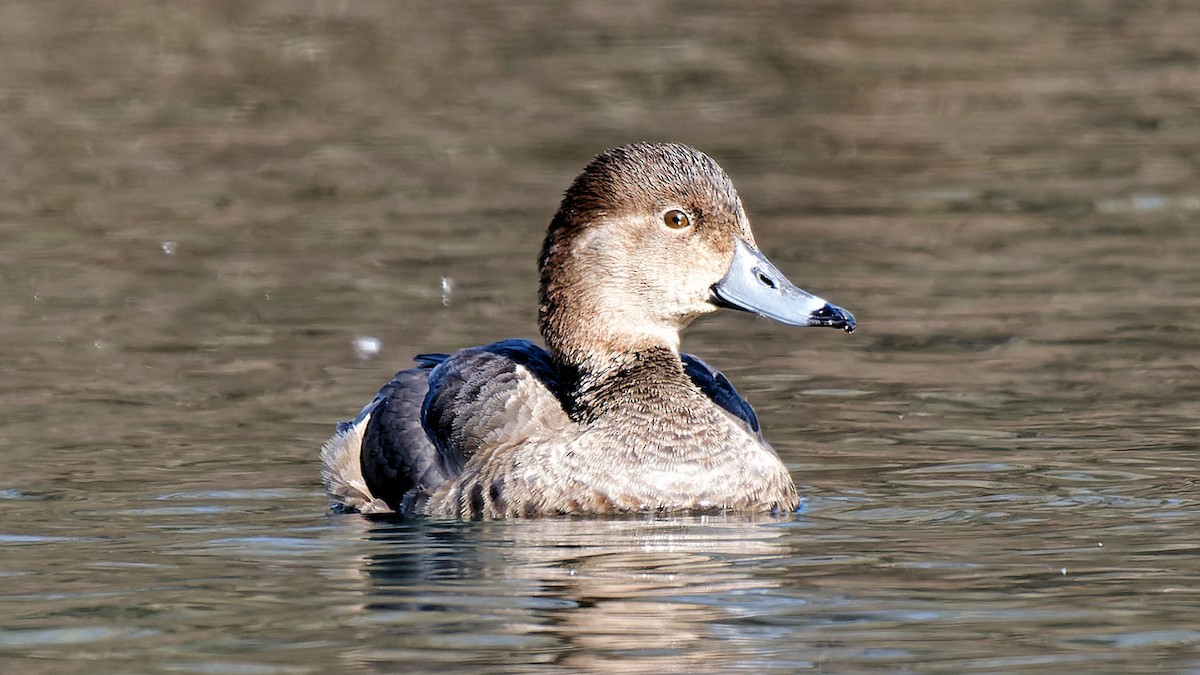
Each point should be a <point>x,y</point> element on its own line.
<point>753,284</point>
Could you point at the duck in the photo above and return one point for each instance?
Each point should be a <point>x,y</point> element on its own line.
<point>609,417</point>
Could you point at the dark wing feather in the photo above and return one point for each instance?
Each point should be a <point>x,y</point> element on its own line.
<point>396,453</point>
<point>718,388</point>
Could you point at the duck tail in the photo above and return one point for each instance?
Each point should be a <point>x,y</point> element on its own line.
<point>341,470</point>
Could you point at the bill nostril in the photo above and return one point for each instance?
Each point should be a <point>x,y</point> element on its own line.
<point>764,279</point>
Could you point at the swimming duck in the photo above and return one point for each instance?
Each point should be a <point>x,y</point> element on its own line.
<point>610,417</point>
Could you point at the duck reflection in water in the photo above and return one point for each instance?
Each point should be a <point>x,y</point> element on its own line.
<point>610,417</point>
<point>638,593</point>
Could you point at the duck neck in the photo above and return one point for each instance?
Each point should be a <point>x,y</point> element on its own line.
<point>607,363</point>
<point>646,377</point>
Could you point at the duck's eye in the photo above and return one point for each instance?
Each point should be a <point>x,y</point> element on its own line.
<point>676,219</point>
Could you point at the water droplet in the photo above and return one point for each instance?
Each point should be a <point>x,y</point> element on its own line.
<point>367,347</point>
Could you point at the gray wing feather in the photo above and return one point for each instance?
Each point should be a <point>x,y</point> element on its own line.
<point>485,395</point>
<point>427,422</point>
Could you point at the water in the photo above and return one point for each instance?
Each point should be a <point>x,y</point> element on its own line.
<point>223,226</point>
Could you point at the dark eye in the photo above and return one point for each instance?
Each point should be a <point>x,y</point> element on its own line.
<point>676,219</point>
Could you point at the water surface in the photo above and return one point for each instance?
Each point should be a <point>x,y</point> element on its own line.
<point>205,207</point>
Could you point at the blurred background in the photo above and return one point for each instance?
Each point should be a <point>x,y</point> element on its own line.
<point>223,225</point>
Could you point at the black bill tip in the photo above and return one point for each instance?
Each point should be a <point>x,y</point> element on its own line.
<point>833,316</point>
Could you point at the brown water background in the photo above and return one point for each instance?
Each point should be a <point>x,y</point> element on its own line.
<point>204,205</point>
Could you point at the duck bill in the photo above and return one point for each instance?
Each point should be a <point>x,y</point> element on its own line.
<point>753,284</point>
